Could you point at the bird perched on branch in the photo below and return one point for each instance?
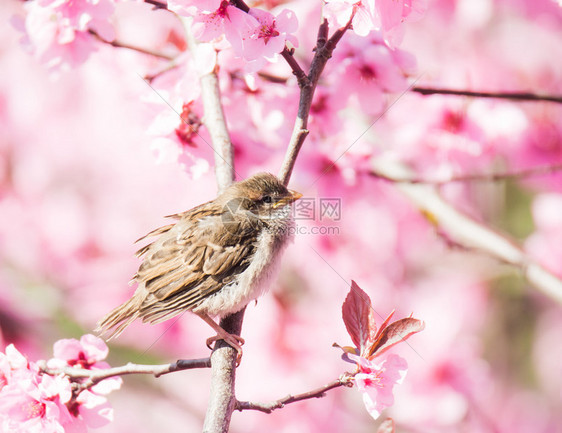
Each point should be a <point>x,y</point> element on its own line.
<point>213,260</point>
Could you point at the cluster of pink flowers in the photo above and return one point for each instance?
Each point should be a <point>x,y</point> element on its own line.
<point>33,401</point>
<point>58,31</point>
<point>256,35</point>
<point>368,15</point>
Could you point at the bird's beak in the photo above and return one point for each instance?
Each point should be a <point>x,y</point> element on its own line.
<point>294,196</point>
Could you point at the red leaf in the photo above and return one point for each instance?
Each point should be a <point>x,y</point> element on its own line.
<point>358,317</point>
<point>395,333</point>
<point>384,325</point>
<point>387,426</point>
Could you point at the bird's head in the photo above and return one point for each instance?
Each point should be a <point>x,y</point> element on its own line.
<point>262,198</point>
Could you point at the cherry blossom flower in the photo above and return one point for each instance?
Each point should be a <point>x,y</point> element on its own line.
<point>57,31</point>
<point>392,13</point>
<point>215,19</point>
<point>36,402</point>
<point>370,69</point>
<point>30,401</point>
<point>193,7</point>
<point>375,376</point>
<point>268,39</point>
<point>377,379</point>
<point>87,353</point>
<point>367,15</point>
<point>339,12</point>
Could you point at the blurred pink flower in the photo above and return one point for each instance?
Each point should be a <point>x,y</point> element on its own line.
<point>227,20</point>
<point>30,401</point>
<point>339,12</point>
<point>376,380</point>
<point>57,31</point>
<point>12,363</point>
<point>193,7</point>
<point>368,15</point>
<point>370,69</point>
<point>546,242</point>
<point>36,402</point>
<point>392,13</point>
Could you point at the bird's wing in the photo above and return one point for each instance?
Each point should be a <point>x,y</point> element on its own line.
<point>190,261</point>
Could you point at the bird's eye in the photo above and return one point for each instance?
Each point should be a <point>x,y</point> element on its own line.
<point>267,199</point>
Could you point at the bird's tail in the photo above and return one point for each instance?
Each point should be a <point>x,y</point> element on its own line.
<point>117,320</point>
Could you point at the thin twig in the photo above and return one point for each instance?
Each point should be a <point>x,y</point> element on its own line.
<point>323,52</point>
<point>157,4</point>
<point>169,67</point>
<point>288,55</point>
<point>119,44</point>
<point>240,4</point>
<point>518,96</point>
<point>95,376</point>
<point>542,170</point>
<point>344,380</point>
<point>468,232</point>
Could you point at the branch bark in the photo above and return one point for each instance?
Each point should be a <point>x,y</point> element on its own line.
<point>96,376</point>
<point>468,232</point>
<point>119,44</point>
<point>222,397</point>
<point>517,96</point>
<point>324,49</point>
<point>344,380</point>
<point>541,170</point>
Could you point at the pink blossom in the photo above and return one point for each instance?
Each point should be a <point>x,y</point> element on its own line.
<point>339,12</point>
<point>226,20</point>
<point>376,380</point>
<point>85,353</point>
<point>269,37</point>
<point>193,7</point>
<point>368,15</point>
<point>12,365</point>
<point>370,69</point>
<point>35,403</point>
<point>57,32</point>
<point>88,353</point>
<point>392,13</point>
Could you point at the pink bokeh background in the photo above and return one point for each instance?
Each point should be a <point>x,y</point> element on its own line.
<point>89,162</point>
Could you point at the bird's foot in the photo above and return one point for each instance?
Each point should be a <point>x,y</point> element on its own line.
<point>232,339</point>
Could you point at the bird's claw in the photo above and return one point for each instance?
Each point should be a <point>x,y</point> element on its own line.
<point>233,340</point>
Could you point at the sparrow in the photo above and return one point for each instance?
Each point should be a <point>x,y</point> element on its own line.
<point>214,260</point>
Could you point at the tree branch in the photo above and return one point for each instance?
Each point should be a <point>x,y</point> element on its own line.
<point>288,55</point>
<point>518,96</point>
<point>468,232</point>
<point>96,376</point>
<point>214,121</point>
<point>344,380</point>
<point>118,44</point>
<point>543,170</point>
<point>157,4</point>
<point>222,397</point>
<point>323,52</point>
<point>240,4</point>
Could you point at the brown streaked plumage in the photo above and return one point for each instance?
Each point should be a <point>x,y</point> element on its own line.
<point>213,260</point>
